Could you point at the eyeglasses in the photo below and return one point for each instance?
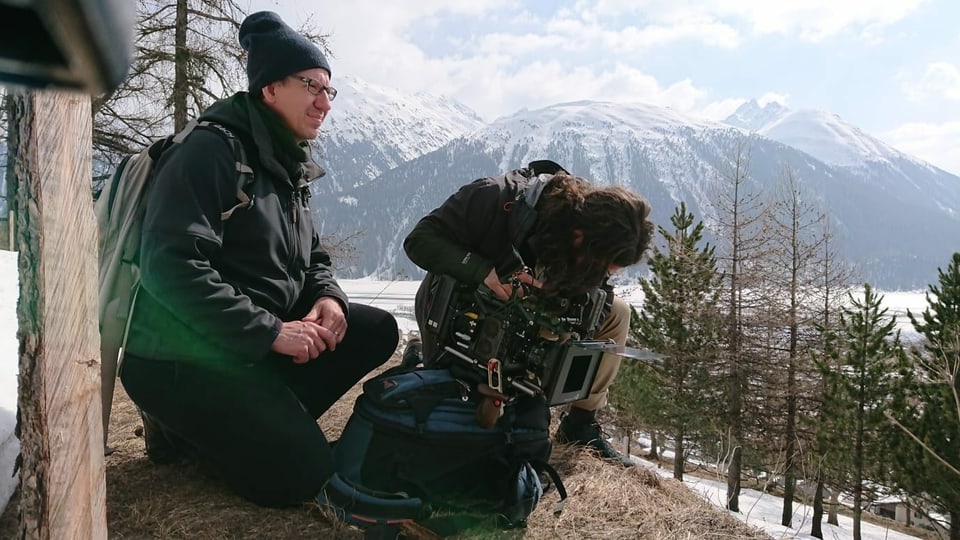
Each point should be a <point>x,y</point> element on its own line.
<point>315,88</point>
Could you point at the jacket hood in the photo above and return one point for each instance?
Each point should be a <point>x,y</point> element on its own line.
<point>244,115</point>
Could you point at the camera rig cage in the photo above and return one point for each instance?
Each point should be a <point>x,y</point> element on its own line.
<point>528,345</point>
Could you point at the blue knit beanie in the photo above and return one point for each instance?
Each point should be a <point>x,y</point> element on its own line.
<point>274,50</point>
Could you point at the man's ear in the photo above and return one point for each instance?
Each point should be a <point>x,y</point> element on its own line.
<point>269,92</point>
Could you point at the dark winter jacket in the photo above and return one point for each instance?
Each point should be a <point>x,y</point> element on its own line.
<point>214,290</point>
<point>472,231</point>
<point>484,225</point>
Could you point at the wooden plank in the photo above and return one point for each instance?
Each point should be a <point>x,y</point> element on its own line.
<point>62,485</point>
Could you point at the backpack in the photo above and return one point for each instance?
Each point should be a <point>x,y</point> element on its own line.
<point>413,450</point>
<point>119,209</point>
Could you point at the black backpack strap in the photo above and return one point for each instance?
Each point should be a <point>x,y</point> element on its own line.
<point>115,181</point>
<point>545,166</point>
<point>244,171</point>
<point>390,515</point>
<point>545,468</point>
<point>523,213</point>
<point>366,507</point>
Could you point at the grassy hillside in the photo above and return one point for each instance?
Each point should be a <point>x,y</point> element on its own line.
<point>605,501</point>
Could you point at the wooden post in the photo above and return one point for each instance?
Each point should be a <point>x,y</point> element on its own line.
<point>62,484</point>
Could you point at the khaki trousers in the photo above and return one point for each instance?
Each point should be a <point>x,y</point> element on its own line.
<point>616,327</point>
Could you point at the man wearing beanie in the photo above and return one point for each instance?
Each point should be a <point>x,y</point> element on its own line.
<point>241,337</point>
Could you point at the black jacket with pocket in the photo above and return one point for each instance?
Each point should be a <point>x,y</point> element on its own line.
<point>214,290</point>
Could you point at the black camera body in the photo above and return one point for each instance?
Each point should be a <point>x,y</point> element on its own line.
<point>530,345</point>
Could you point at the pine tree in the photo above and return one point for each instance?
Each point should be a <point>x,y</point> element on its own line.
<point>681,320</point>
<point>929,450</point>
<point>834,275</point>
<point>741,244</point>
<point>865,361</point>
<point>794,287</point>
<point>636,396</point>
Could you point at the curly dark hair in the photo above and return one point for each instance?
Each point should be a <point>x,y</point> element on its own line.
<point>614,223</point>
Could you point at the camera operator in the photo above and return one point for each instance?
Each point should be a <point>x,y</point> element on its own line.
<point>548,229</point>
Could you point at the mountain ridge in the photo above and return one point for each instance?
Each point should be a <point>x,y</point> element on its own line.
<point>667,156</point>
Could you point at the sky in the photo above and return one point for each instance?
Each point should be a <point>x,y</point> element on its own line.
<point>758,509</point>
<point>890,67</point>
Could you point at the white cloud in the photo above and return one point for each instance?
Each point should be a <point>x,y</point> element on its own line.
<point>773,97</point>
<point>593,49</point>
<point>710,32</point>
<point>938,144</point>
<point>540,84</point>
<point>614,37</point>
<point>811,20</point>
<point>720,110</point>
<point>550,61</point>
<point>941,80</point>
<point>519,45</point>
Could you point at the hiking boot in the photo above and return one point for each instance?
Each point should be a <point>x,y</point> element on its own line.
<point>589,435</point>
<point>163,447</point>
<point>413,353</point>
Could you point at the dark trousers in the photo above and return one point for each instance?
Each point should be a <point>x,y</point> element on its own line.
<point>255,425</point>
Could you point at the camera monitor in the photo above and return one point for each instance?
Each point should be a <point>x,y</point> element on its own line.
<point>569,375</point>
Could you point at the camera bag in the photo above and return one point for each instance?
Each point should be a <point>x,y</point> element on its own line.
<point>414,434</point>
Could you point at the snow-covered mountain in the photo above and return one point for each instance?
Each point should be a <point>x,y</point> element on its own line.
<point>835,142</point>
<point>897,217</point>
<point>372,129</point>
<point>821,134</point>
<point>752,117</point>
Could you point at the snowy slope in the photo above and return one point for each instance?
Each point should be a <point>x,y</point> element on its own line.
<point>821,134</point>
<point>372,129</point>
<point>830,139</point>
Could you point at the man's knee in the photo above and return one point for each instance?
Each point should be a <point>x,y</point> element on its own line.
<point>616,325</point>
<point>375,328</point>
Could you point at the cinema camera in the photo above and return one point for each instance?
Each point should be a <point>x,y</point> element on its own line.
<point>529,344</point>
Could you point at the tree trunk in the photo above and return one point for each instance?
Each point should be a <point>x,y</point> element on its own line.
<point>816,528</point>
<point>678,455</point>
<point>857,513</point>
<point>834,507</point>
<point>790,431</point>
<point>789,487</point>
<point>62,488</point>
<point>654,450</point>
<point>955,525</point>
<point>733,480</point>
<point>735,410</point>
<point>789,490</point>
<point>181,58</point>
<point>858,459</point>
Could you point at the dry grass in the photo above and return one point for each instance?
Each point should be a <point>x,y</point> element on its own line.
<point>605,501</point>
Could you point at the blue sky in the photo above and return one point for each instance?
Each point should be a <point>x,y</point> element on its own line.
<point>890,67</point>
